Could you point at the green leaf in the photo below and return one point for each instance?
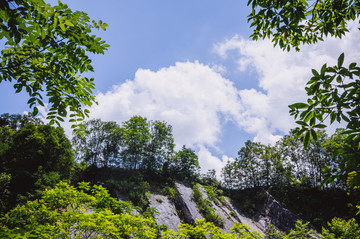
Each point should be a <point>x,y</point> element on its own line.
<point>67,22</point>
<point>62,26</point>
<point>320,126</point>
<point>104,26</point>
<point>36,111</point>
<point>315,73</point>
<point>309,116</point>
<point>340,60</point>
<point>302,123</point>
<point>55,20</point>
<point>352,65</point>
<point>299,106</point>
<point>313,134</point>
<point>307,139</point>
<point>323,69</point>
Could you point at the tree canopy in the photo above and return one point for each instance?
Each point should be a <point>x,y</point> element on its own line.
<point>46,51</point>
<point>32,156</point>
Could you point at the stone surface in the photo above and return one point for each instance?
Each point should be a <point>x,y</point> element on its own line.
<point>275,213</point>
<point>241,218</point>
<point>184,210</point>
<point>224,210</point>
<point>186,205</point>
<point>167,213</point>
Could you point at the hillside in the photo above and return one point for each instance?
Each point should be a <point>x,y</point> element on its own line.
<point>128,181</point>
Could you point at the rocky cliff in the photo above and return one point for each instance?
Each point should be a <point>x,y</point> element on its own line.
<point>184,209</point>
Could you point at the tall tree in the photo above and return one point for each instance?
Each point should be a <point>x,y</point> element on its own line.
<point>101,144</point>
<point>46,51</point>
<point>230,175</point>
<point>185,165</point>
<point>250,164</point>
<point>135,137</point>
<point>36,156</point>
<point>160,148</point>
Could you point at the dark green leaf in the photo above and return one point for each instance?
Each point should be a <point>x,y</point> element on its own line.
<point>340,60</point>
<point>299,106</point>
<point>307,139</point>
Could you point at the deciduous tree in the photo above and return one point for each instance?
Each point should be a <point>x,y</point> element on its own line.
<point>101,144</point>
<point>35,156</point>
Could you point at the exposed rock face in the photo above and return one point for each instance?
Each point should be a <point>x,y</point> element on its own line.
<point>275,213</point>
<point>189,211</point>
<point>184,210</point>
<point>167,212</point>
<point>241,218</point>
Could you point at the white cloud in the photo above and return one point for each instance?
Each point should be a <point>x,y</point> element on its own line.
<point>190,96</point>
<point>208,161</point>
<point>281,77</point>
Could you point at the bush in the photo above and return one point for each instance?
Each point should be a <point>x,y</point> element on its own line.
<point>341,229</point>
<point>61,212</point>
<point>170,192</point>
<point>215,194</point>
<point>205,208</point>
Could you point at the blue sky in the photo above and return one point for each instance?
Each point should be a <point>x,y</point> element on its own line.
<point>192,64</point>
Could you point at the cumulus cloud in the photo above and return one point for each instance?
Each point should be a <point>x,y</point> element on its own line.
<point>208,161</point>
<point>190,96</point>
<point>281,78</point>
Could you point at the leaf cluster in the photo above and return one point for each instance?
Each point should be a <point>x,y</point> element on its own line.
<point>292,23</point>
<point>333,92</point>
<point>46,50</point>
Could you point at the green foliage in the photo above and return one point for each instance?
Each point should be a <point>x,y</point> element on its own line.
<point>341,229</point>
<point>136,189</point>
<point>17,121</point>
<point>215,194</point>
<point>4,192</point>
<point>203,229</point>
<point>301,231</point>
<point>292,23</point>
<point>160,148</point>
<point>273,233</point>
<point>337,229</point>
<point>326,162</point>
<point>209,178</point>
<point>46,50</point>
<point>257,165</point>
<point>249,201</point>
<point>83,212</point>
<point>333,93</point>
<point>35,156</point>
<point>138,144</point>
<point>100,146</point>
<point>135,136</point>
<point>170,192</point>
<point>342,154</point>
<point>233,214</point>
<point>205,207</point>
<point>185,165</point>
